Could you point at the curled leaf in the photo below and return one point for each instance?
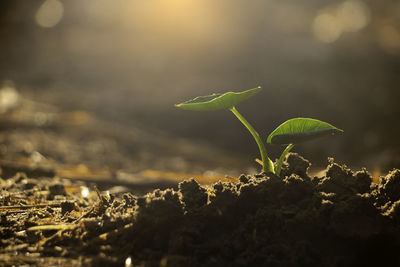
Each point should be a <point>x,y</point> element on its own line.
<point>218,101</point>
<point>298,130</point>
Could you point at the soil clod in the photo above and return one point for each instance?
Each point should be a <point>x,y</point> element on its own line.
<point>340,219</point>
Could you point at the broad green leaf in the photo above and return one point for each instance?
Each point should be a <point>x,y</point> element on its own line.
<point>218,101</point>
<point>298,130</point>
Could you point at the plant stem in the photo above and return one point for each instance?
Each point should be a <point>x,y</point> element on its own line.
<point>268,166</point>
<point>282,157</point>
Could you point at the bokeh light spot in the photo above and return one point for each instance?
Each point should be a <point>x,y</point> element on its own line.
<point>327,28</point>
<point>85,191</point>
<point>9,96</point>
<point>49,13</point>
<point>128,262</point>
<point>354,15</point>
<point>389,38</point>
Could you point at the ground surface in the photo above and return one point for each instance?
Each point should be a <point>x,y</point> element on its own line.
<point>78,190</point>
<point>339,219</point>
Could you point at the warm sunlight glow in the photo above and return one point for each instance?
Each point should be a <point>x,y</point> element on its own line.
<point>49,13</point>
<point>175,23</point>
<point>192,19</point>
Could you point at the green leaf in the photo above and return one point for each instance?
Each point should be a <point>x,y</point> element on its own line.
<point>218,101</point>
<point>298,130</point>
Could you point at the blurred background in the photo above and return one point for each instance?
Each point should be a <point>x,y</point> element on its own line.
<point>94,82</point>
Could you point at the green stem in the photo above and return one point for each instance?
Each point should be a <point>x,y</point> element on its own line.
<point>282,157</point>
<point>268,166</point>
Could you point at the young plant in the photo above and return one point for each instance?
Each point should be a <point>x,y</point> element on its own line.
<point>288,133</point>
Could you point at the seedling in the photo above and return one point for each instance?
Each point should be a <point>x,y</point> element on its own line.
<point>289,133</point>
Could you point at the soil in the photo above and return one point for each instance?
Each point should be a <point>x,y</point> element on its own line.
<point>339,219</point>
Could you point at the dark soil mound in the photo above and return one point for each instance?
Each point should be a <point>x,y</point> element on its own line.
<point>341,219</point>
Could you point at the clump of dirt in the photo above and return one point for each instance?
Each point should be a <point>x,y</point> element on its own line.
<point>340,219</point>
